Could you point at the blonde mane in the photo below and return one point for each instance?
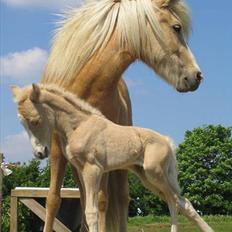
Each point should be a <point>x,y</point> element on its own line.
<point>85,31</point>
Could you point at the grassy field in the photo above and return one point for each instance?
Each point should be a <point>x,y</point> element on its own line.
<point>161,224</point>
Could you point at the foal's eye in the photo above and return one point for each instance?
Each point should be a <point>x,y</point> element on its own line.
<point>177,28</point>
<point>35,122</point>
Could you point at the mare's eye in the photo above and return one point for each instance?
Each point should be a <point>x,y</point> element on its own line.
<point>177,28</point>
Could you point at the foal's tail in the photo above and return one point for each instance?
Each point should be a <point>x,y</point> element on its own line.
<point>172,172</point>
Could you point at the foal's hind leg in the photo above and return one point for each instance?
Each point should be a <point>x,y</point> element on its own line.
<point>163,174</point>
<point>160,192</point>
<point>156,167</point>
<point>187,209</point>
<point>58,163</point>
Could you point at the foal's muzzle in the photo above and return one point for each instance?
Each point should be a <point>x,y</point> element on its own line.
<point>42,154</point>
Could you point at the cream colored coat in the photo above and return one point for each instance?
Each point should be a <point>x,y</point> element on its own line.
<point>95,145</point>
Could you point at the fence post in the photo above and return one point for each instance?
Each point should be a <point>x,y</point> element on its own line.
<point>1,175</point>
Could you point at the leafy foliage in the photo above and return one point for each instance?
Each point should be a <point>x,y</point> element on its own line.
<point>205,168</point>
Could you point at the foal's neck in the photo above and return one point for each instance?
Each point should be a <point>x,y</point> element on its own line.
<point>67,117</point>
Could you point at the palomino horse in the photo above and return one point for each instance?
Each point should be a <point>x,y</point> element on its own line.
<point>92,48</point>
<point>94,145</point>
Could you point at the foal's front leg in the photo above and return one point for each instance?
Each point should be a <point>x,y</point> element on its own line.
<point>58,163</point>
<point>91,174</point>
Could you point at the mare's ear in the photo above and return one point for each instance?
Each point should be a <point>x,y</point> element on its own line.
<point>16,91</point>
<point>35,93</point>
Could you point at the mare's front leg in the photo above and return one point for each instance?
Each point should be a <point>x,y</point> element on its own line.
<point>119,191</point>
<point>91,174</point>
<point>79,182</point>
<point>58,163</point>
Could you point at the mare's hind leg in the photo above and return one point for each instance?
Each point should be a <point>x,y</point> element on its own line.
<point>58,163</point>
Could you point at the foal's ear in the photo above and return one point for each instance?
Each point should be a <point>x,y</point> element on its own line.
<point>16,91</point>
<point>166,3</point>
<point>35,93</point>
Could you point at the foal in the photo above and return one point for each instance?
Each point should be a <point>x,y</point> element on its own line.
<point>95,145</point>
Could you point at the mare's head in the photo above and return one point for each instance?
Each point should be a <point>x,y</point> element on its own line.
<point>154,31</point>
<point>35,118</point>
<point>159,39</point>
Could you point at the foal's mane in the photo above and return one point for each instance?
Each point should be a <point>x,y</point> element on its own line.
<point>83,32</point>
<point>71,99</point>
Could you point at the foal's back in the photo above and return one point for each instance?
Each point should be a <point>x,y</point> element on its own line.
<point>112,145</point>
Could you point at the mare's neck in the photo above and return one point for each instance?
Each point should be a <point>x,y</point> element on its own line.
<point>99,78</point>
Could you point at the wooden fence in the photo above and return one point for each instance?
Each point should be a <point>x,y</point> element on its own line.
<point>26,196</point>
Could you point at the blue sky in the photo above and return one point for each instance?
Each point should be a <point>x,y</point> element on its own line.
<point>26,31</point>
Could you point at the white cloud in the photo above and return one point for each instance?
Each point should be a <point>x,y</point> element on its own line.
<point>17,148</point>
<point>55,4</point>
<point>24,66</point>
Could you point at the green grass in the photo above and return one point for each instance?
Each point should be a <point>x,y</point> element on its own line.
<point>161,224</point>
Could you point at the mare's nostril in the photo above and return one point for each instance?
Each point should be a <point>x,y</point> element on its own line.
<point>199,76</point>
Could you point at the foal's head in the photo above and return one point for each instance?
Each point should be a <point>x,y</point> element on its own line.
<point>35,118</point>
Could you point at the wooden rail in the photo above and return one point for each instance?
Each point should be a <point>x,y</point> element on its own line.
<point>27,195</point>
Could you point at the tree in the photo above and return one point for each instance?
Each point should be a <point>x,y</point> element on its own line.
<point>205,168</point>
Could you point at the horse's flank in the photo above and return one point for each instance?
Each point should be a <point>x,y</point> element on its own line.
<point>86,31</point>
